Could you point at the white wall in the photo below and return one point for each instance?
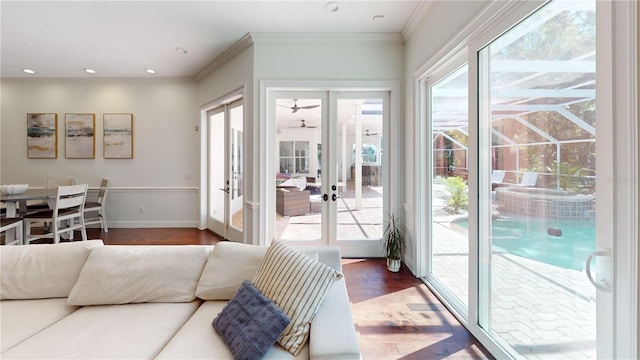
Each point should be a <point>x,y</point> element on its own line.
<point>320,61</point>
<point>162,177</point>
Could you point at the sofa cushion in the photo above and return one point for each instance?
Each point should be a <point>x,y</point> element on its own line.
<point>21,319</point>
<point>136,274</point>
<point>217,282</point>
<point>250,323</point>
<point>297,284</point>
<point>130,331</point>
<point>228,266</point>
<point>197,339</point>
<point>333,334</point>
<point>42,271</point>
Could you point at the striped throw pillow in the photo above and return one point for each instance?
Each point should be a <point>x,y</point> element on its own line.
<point>296,284</point>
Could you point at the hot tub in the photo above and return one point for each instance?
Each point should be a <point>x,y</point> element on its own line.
<point>550,203</point>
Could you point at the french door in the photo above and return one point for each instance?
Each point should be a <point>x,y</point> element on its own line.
<point>225,170</point>
<point>328,169</point>
<point>520,147</point>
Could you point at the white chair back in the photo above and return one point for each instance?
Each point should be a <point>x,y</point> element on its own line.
<point>66,216</point>
<point>98,207</point>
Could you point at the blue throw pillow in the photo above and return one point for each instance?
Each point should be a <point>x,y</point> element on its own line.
<point>250,323</point>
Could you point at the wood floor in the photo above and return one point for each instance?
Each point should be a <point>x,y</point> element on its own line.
<point>395,314</point>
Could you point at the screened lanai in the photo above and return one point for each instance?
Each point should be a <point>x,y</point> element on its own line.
<point>542,103</point>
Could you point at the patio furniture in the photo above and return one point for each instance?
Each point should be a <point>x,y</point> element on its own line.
<point>497,179</point>
<point>292,202</point>
<point>529,179</point>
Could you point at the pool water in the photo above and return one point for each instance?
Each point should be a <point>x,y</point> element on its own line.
<point>529,238</point>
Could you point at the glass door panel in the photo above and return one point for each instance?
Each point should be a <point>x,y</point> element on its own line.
<point>538,99</point>
<point>449,118</point>
<point>225,170</point>
<point>298,136</point>
<point>216,170</point>
<point>236,112</point>
<point>360,181</point>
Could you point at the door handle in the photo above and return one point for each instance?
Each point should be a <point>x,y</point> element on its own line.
<point>225,190</point>
<point>325,197</point>
<point>334,197</point>
<point>601,284</point>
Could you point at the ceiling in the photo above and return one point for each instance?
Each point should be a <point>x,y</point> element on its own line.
<point>123,38</point>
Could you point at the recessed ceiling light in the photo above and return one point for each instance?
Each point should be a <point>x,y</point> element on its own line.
<point>28,71</point>
<point>150,71</point>
<point>181,50</point>
<point>331,6</point>
<point>90,71</point>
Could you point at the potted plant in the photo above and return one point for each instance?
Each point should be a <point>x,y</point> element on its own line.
<point>395,242</point>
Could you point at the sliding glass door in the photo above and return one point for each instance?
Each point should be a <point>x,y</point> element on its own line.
<point>538,115</point>
<point>519,143</point>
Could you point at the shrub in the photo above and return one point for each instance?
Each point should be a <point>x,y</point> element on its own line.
<point>459,191</point>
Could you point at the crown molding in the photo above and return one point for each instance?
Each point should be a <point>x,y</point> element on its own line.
<point>236,49</point>
<point>416,17</point>
<point>328,38</point>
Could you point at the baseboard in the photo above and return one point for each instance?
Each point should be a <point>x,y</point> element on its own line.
<point>152,224</point>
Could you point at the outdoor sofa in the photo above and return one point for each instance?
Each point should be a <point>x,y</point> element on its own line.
<point>87,300</point>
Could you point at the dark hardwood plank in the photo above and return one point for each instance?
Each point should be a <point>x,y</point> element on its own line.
<point>396,316</point>
<point>156,236</point>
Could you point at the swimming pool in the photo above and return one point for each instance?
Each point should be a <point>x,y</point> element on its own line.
<point>529,238</point>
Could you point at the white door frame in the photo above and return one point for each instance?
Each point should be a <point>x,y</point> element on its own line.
<point>267,128</point>
<point>204,160</point>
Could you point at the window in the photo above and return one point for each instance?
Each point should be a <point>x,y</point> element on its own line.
<point>294,157</point>
<point>370,153</point>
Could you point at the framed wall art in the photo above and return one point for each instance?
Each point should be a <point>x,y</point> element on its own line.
<point>42,136</point>
<point>80,141</point>
<point>118,136</point>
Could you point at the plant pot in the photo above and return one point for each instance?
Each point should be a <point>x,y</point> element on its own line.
<point>393,265</point>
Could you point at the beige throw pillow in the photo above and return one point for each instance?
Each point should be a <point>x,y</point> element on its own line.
<point>42,271</point>
<point>297,284</point>
<point>136,274</point>
<point>228,266</point>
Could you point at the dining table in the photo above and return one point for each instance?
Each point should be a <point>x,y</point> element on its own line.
<point>17,203</point>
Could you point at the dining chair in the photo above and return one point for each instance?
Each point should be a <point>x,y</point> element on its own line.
<point>8,224</point>
<point>68,207</point>
<point>49,184</point>
<point>98,207</point>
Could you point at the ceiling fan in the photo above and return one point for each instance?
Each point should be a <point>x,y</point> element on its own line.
<point>304,125</point>
<point>367,133</point>
<point>295,106</point>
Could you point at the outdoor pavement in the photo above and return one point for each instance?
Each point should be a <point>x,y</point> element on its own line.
<point>542,311</point>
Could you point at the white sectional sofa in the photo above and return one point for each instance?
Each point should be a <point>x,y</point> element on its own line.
<point>87,300</point>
